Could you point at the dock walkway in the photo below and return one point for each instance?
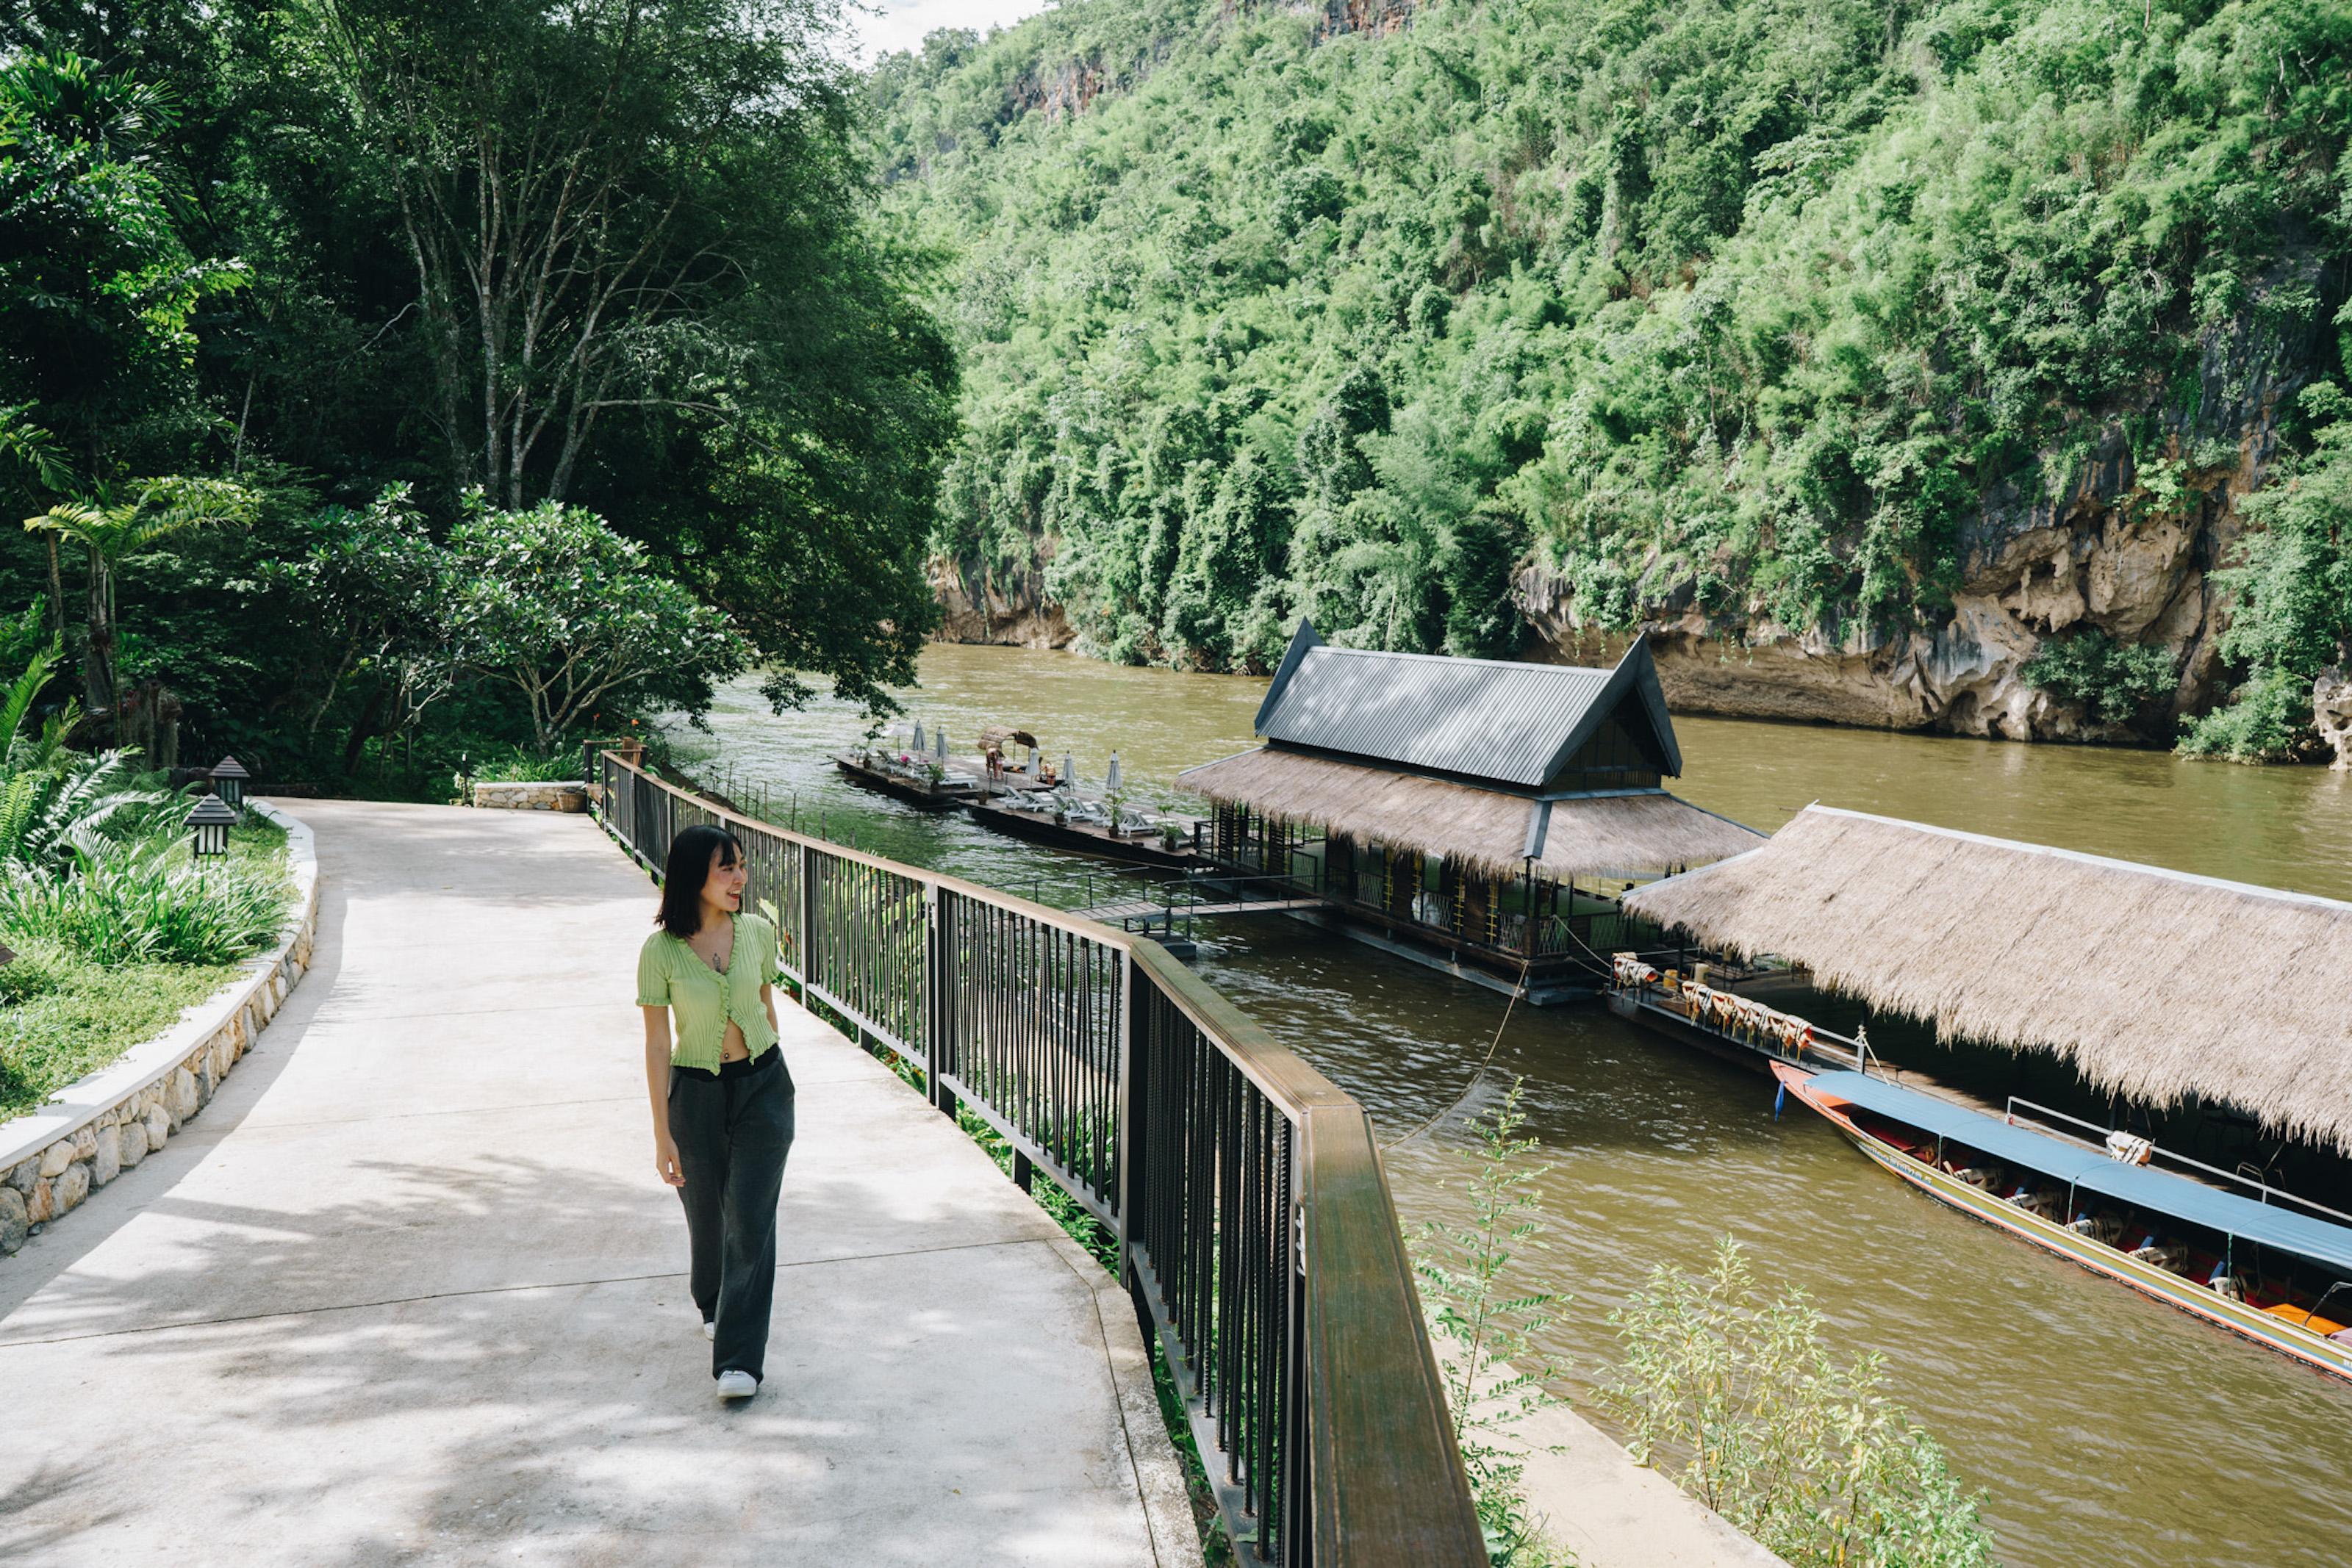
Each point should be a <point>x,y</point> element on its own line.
<point>409,1291</point>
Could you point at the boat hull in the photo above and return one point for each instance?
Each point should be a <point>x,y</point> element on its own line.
<point>2264,1328</point>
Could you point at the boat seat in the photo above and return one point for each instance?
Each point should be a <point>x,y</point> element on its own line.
<point>2316,1324</point>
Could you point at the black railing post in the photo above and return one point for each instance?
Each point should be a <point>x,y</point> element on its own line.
<point>1128,1150</point>
<point>940,992</point>
<point>808,924</point>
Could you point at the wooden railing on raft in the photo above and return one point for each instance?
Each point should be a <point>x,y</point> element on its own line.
<point>1741,1019</point>
<point>1252,1220</point>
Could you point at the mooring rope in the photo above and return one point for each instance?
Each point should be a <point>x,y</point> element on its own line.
<point>1455,1104</point>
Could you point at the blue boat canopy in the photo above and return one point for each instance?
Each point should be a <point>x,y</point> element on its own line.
<point>2143,1187</point>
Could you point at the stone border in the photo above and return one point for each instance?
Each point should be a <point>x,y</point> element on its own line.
<point>565,795</point>
<point>98,1127</point>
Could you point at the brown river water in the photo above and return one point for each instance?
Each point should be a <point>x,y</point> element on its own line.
<point>2106,1429</point>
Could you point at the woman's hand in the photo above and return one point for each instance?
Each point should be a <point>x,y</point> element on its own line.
<point>666,1161</point>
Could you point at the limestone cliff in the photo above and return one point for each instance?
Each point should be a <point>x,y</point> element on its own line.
<point>2115,547</point>
<point>978,605</point>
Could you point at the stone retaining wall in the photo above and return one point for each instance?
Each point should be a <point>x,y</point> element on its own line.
<point>569,795</point>
<point>93,1130</point>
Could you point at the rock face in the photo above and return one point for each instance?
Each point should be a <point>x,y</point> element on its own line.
<point>2113,550</point>
<point>2331,714</point>
<point>2095,559</point>
<point>979,607</point>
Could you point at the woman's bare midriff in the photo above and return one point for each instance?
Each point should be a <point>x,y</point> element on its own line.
<point>731,1046</point>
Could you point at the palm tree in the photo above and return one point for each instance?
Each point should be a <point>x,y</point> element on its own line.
<point>37,451</point>
<point>112,532</point>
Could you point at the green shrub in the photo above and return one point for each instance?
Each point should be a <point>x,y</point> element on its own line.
<point>146,906</point>
<point>2110,680</point>
<point>1758,1420</point>
<point>90,1017</point>
<point>2291,578</point>
<point>2264,722</point>
<point>26,977</point>
<point>517,765</point>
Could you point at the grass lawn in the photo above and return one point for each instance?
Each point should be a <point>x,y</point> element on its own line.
<point>87,1016</point>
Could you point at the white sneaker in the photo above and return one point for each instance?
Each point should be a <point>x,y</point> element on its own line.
<point>733,1385</point>
<point>709,1329</point>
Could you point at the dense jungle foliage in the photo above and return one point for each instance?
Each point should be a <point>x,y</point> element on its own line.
<point>388,379</point>
<point>1742,304</point>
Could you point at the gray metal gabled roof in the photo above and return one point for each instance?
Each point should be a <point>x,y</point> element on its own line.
<point>1485,718</point>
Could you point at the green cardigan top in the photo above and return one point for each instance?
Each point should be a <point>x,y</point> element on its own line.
<point>670,975</point>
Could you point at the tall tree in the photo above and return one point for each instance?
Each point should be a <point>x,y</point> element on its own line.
<point>571,187</point>
<point>647,279</point>
<point>100,292</point>
<point>110,532</point>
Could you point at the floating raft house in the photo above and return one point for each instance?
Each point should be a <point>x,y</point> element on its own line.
<point>2154,985</point>
<point>1456,804</point>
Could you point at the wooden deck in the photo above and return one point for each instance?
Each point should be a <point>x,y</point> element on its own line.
<point>1083,837</point>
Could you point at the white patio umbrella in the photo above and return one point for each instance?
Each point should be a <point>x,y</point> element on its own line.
<point>939,741</point>
<point>1069,771</point>
<point>1110,783</point>
<point>919,737</point>
<point>1037,766</point>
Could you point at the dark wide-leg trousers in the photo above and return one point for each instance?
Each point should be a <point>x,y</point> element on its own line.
<point>733,1129</point>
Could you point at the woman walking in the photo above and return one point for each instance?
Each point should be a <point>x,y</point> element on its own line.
<point>723,1100</point>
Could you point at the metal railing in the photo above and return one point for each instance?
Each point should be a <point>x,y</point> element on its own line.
<point>1244,1191</point>
<point>2265,1193</point>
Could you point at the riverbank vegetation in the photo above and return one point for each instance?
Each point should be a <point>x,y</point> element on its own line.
<point>1736,1396</point>
<point>1484,1333</point>
<point>1783,316</point>
<point>2292,580</point>
<point>390,384</point>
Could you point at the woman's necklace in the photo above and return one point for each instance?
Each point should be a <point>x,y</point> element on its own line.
<point>712,958</point>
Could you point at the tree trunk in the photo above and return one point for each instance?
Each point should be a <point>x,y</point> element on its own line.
<point>362,729</point>
<point>98,657</point>
<point>56,593</point>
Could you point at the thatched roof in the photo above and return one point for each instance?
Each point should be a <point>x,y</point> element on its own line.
<point>2154,984</point>
<point>1609,835</point>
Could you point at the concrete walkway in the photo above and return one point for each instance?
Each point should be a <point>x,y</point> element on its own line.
<point>409,1291</point>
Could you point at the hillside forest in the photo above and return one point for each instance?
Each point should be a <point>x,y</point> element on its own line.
<point>397,387</point>
<point>1967,363</point>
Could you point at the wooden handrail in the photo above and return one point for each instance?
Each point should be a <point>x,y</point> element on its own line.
<point>1388,1479</point>
<point>1383,1482</point>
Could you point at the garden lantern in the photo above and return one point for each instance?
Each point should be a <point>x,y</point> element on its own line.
<point>208,826</point>
<point>228,782</point>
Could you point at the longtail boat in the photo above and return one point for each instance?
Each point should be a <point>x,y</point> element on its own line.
<point>2278,1276</point>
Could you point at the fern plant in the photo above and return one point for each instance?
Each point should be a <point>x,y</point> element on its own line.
<point>54,800</point>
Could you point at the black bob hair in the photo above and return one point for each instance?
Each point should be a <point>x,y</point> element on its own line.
<point>688,869</point>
